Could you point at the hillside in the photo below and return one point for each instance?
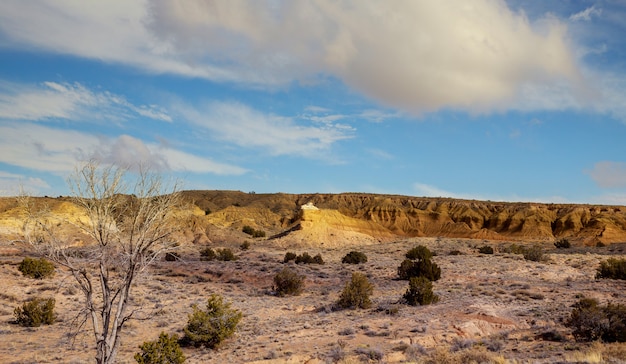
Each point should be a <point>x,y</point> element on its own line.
<point>365,218</point>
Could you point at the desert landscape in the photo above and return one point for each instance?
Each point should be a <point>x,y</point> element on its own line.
<point>494,307</point>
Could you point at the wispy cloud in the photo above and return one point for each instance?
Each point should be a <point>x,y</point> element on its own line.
<point>71,101</point>
<point>609,174</point>
<point>10,184</point>
<point>586,14</point>
<point>246,127</point>
<point>46,149</point>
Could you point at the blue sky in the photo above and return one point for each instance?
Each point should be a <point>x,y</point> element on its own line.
<point>492,100</point>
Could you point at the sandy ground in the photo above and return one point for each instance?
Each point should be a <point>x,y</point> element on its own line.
<point>499,303</point>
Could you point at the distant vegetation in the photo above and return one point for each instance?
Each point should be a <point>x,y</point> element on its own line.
<point>288,282</point>
<point>36,268</point>
<point>485,249</point>
<point>419,264</point>
<point>562,244</point>
<point>253,232</point>
<point>612,268</point>
<point>354,257</point>
<point>35,312</point>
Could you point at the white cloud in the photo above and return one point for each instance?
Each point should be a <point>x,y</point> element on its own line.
<point>279,135</point>
<point>609,174</point>
<point>52,100</point>
<point>586,14</point>
<point>11,183</point>
<point>47,149</point>
<point>418,56</point>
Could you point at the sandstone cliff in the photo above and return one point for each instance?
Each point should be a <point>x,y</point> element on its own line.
<point>368,218</point>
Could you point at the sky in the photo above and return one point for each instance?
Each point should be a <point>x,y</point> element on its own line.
<point>516,100</point>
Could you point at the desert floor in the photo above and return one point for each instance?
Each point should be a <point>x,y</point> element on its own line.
<point>500,306</point>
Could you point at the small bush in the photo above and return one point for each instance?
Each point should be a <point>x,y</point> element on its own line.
<point>534,253</point>
<point>245,245</point>
<point>485,249</point>
<point>35,313</point>
<point>356,293</point>
<point>354,257</point>
<point>421,268</point>
<point>289,256</point>
<point>36,268</point>
<point>562,244</point>
<point>318,259</point>
<point>226,255</point>
<point>255,233</point>
<point>208,254</point>
<point>213,325</point>
<point>288,282</point>
<point>420,292</point>
<point>420,252</point>
<point>306,258</point>
<point>164,351</point>
<point>612,268</point>
<point>591,322</point>
<point>513,249</point>
<point>172,256</point>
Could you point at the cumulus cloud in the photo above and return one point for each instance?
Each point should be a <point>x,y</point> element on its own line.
<point>418,56</point>
<point>244,126</point>
<point>609,174</point>
<point>46,149</point>
<point>72,101</point>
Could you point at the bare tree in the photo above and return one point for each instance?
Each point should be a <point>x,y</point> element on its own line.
<point>128,216</point>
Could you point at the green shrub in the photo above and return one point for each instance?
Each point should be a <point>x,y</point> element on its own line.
<point>612,268</point>
<point>304,258</point>
<point>420,252</point>
<point>318,259</point>
<point>35,312</point>
<point>289,256</point>
<point>421,268</point>
<point>354,257</point>
<point>591,322</point>
<point>164,351</point>
<point>356,293</point>
<point>213,325</point>
<point>485,249</point>
<point>513,249</point>
<point>172,256</point>
<point>226,255</point>
<point>420,292</point>
<point>534,253</point>
<point>562,244</point>
<point>288,282</point>
<point>208,254</point>
<point>36,268</point>
<point>251,231</point>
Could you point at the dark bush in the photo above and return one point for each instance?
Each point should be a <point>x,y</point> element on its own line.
<point>304,258</point>
<point>226,255</point>
<point>420,292</point>
<point>289,256</point>
<point>612,268</point>
<point>513,249</point>
<point>354,257</point>
<point>164,351</point>
<point>288,282</point>
<point>36,268</point>
<point>318,259</point>
<point>35,312</point>
<point>172,256</point>
<point>251,231</point>
<point>485,249</point>
<point>534,253</point>
<point>208,254</point>
<point>356,293</point>
<point>420,252</point>
<point>421,268</point>
<point>562,244</point>
<point>213,325</point>
<point>245,245</point>
<point>591,322</point>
